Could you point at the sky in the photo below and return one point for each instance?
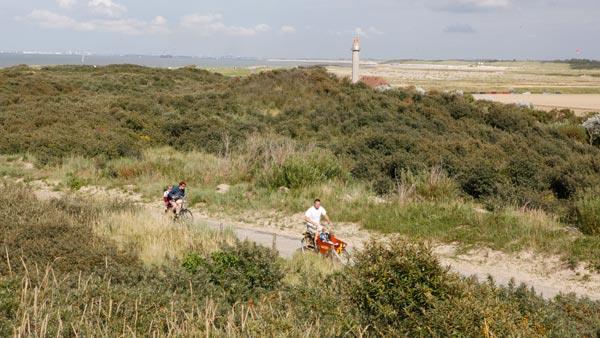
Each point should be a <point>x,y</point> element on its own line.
<point>389,29</point>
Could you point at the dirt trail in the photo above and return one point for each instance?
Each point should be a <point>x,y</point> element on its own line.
<point>548,275</point>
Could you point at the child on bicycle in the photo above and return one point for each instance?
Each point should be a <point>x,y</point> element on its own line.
<point>166,199</point>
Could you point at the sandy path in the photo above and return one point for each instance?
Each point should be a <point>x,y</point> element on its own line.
<point>548,275</point>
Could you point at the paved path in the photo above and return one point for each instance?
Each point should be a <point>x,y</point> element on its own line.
<point>547,276</point>
<point>286,245</point>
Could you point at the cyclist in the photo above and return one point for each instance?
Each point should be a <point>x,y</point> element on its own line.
<point>176,196</point>
<point>166,199</point>
<point>312,217</point>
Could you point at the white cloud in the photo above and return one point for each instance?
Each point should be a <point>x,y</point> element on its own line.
<point>211,24</point>
<point>160,21</point>
<point>367,32</point>
<point>473,5</point>
<point>374,30</point>
<point>287,29</point>
<point>262,28</point>
<point>66,3</point>
<point>47,19</point>
<point>107,8</point>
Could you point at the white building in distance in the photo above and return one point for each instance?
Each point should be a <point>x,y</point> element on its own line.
<point>355,60</point>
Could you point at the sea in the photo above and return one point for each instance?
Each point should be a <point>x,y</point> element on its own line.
<point>164,61</point>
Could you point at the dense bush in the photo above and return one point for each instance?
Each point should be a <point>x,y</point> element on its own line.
<point>513,154</point>
<point>399,289</point>
<point>244,270</point>
<point>298,172</point>
<point>390,286</point>
<point>587,212</point>
<point>72,282</point>
<point>56,233</point>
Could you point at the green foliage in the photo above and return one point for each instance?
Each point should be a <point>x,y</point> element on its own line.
<point>74,182</point>
<point>390,285</point>
<point>420,219</point>
<point>587,212</point>
<point>399,289</point>
<point>70,278</point>
<point>572,131</point>
<point>56,232</point>
<point>297,172</point>
<point>583,64</point>
<point>118,111</point>
<point>192,262</point>
<point>483,180</point>
<point>244,270</point>
<point>9,304</point>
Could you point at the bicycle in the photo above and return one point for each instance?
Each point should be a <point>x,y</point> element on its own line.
<point>185,214</point>
<point>333,248</point>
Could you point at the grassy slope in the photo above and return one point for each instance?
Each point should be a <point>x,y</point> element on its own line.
<point>64,274</point>
<point>309,131</point>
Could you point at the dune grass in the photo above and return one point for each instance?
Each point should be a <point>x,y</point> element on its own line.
<point>425,205</point>
<point>157,238</point>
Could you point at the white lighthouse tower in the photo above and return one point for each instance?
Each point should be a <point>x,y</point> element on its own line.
<point>355,59</point>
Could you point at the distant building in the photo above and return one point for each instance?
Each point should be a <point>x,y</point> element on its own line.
<point>355,59</point>
<point>376,82</point>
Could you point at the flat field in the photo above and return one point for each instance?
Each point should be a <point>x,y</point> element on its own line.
<point>476,77</point>
<point>579,103</point>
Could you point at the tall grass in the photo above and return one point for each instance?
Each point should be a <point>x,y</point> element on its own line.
<point>76,268</point>
<point>157,238</point>
<point>425,205</point>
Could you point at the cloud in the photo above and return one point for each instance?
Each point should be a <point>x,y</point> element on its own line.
<point>367,32</point>
<point>160,21</point>
<point>47,19</point>
<point>374,31</point>
<point>460,6</point>
<point>211,24</point>
<point>66,3</point>
<point>287,29</point>
<point>262,28</point>
<point>459,29</point>
<point>107,8</point>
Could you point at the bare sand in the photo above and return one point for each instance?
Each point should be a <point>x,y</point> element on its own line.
<point>580,103</point>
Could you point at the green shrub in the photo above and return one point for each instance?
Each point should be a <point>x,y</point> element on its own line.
<point>392,284</point>
<point>74,182</point>
<point>244,270</point>
<point>400,289</point>
<point>481,181</point>
<point>9,304</point>
<point>587,212</point>
<point>55,232</point>
<point>297,171</point>
<point>572,131</point>
<point>193,262</point>
<point>315,122</point>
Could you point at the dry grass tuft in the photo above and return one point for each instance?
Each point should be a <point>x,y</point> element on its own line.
<point>156,237</point>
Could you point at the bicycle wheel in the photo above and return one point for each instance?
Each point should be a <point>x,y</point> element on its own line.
<point>303,247</point>
<point>343,257</point>
<point>186,216</point>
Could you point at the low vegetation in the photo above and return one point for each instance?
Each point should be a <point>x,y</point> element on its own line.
<point>496,153</point>
<point>438,167</point>
<point>583,64</point>
<point>90,287</point>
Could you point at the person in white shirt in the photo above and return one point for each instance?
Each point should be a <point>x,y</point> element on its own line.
<point>312,217</point>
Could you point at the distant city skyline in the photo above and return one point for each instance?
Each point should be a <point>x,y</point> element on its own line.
<point>390,29</point>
